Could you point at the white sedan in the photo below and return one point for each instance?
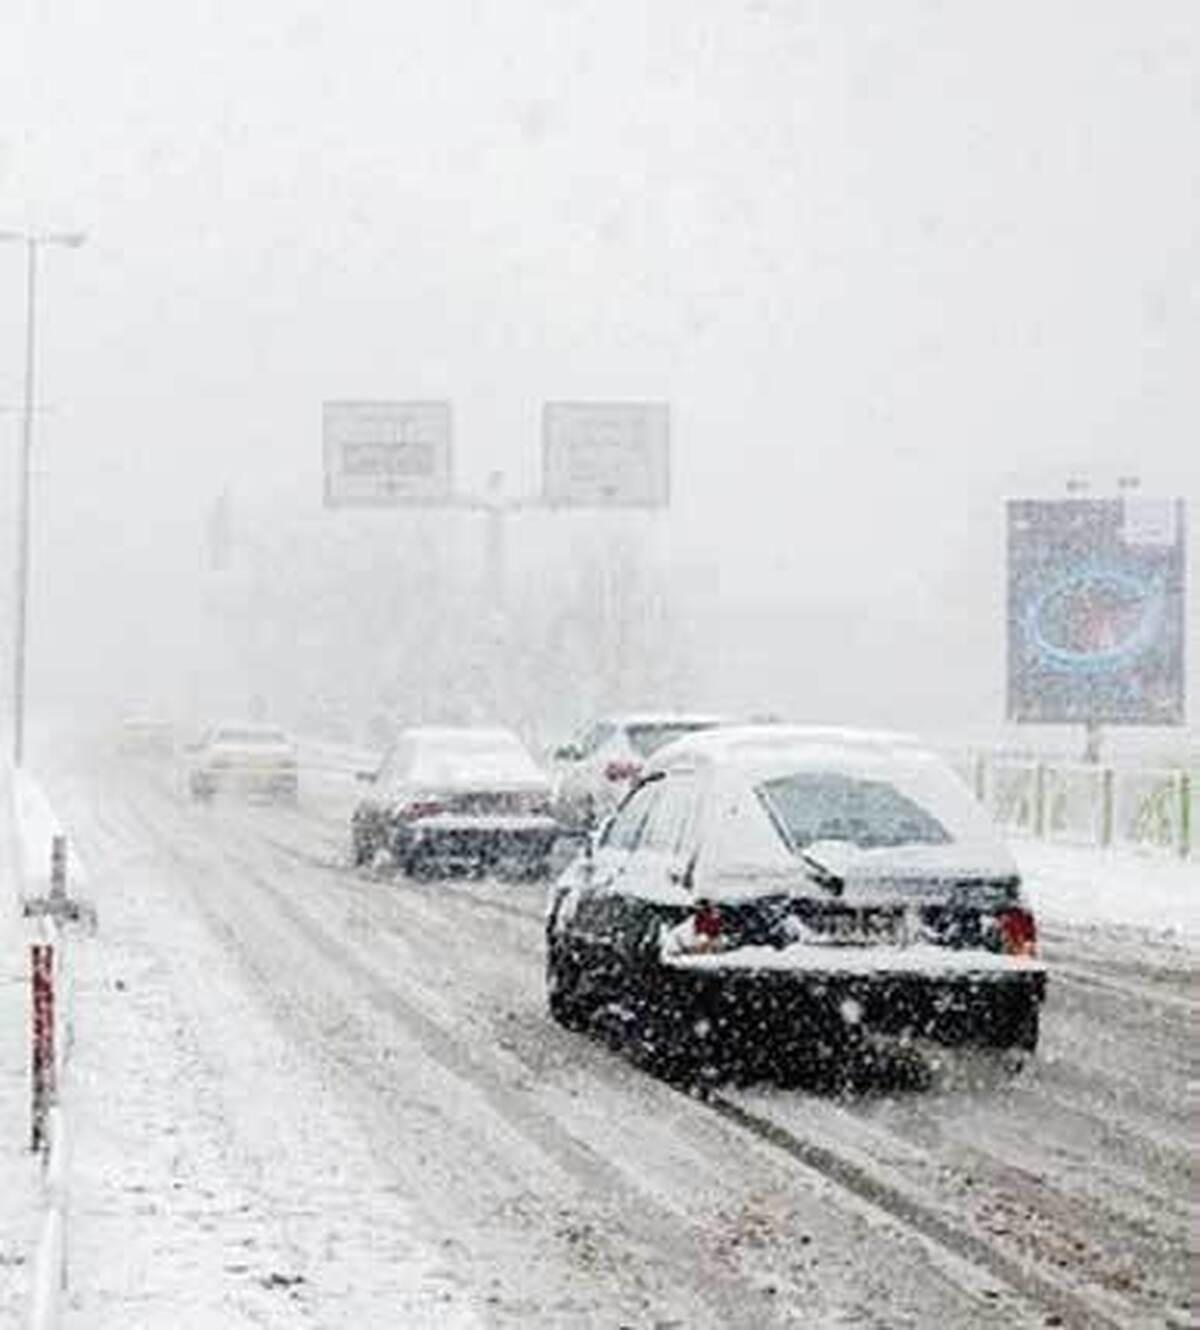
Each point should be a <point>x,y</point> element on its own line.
<point>245,758</point>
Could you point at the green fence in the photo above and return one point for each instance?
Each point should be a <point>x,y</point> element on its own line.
<point>1083,804</point>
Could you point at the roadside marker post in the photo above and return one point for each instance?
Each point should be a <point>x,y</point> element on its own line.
<point>42,1062</point>
<point>57,904</point>
<point>58,868</point>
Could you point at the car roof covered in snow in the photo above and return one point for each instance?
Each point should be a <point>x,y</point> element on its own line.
<point>752,746</point>
<point>253,731</point>
<point>745,759</point>
<point>449,755</point>
<point>628,718</point>
<point>467,736</point>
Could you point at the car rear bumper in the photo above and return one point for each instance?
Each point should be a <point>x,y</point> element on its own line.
<point>773,1011</point>
<point>272,782</point>
<point>479,844</point>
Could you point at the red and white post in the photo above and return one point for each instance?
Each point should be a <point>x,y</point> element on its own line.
<point>42,1066</point>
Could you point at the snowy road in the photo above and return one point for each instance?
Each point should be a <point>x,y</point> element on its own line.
<point>307,1097</point>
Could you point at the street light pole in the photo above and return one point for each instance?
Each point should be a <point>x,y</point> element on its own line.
<point>31,241</point>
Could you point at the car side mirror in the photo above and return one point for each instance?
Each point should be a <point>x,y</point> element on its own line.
<point>567,753</point>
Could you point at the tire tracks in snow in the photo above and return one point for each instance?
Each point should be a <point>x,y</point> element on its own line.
<point>670,1239</point>
<point>929,1221</point>
<point>898,1200</point>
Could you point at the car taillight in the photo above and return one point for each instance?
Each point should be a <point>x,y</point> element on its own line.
<point>1018,932</point>
<point>622,770</point>
<point>704,930</point>
<point>706,922</point>
<point>422,808</point>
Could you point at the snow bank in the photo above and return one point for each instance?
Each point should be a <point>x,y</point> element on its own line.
<point>1085,886</point>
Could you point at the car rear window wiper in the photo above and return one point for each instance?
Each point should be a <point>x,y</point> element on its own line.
<point>821,873</point>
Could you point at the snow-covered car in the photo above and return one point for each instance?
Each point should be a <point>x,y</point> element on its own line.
<point>245,758</point>
<point>768,896</point>
<point>146,736</point>
<point>457,800</point>
<point>595,771</point>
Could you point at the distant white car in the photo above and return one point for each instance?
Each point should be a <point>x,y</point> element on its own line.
<point>457,800</point>
<point>146,736</point>
<point>247,758</point>
<point>595,771</point>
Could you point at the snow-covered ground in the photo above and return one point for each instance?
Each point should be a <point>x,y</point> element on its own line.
<point>306,1097</point>
<point>1148,891</point>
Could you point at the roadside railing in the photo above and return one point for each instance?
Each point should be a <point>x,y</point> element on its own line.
<point>42,872</point>
<point>1078,803</point>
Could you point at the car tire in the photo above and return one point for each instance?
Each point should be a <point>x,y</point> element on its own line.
<point>1027,1029</point>
<point>1012,1027</point>
<point>562,989</point>
<point>420,865</point>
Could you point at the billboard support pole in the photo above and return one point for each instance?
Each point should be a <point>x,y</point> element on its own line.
<point>1185,814</point>
<point>496,588</point>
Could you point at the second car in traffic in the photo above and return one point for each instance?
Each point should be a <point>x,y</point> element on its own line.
<point>450,800</point>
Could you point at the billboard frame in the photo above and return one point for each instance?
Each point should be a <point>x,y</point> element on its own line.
<point>649,419</point>
<point>434,429</point>
<point>1096,611</point>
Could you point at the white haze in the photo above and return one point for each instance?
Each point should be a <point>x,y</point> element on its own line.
<point>889,263</point>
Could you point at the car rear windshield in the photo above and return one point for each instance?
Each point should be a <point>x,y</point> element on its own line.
<point>250,737</point>
<point>646,739</point>
<point>811,806</point>
<point>482,757</point>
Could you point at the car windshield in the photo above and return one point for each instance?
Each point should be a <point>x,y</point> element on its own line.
<point>811,806</point>
<point>648,738</point>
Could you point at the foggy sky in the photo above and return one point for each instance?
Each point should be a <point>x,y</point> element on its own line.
<point>888,262</point>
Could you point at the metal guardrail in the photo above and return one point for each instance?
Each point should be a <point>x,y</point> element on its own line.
<point>1081,804</point>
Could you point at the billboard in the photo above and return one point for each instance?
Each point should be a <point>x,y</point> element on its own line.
<point>1096,610</point>
<point>606,454</point>
<point>380,453</point>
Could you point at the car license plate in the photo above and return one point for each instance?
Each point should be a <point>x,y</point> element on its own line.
<point>866,928</point>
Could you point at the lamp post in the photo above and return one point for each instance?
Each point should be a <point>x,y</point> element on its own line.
<point>32,240</point>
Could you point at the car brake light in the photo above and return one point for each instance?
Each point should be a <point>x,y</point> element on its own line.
<point>706,922</point>
<point>621,770</point>
<point>422,808</point>
<point>703,930</point>
<point>1018,932</point>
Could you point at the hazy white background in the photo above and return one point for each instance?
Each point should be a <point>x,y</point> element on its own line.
<point>889,263</point>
